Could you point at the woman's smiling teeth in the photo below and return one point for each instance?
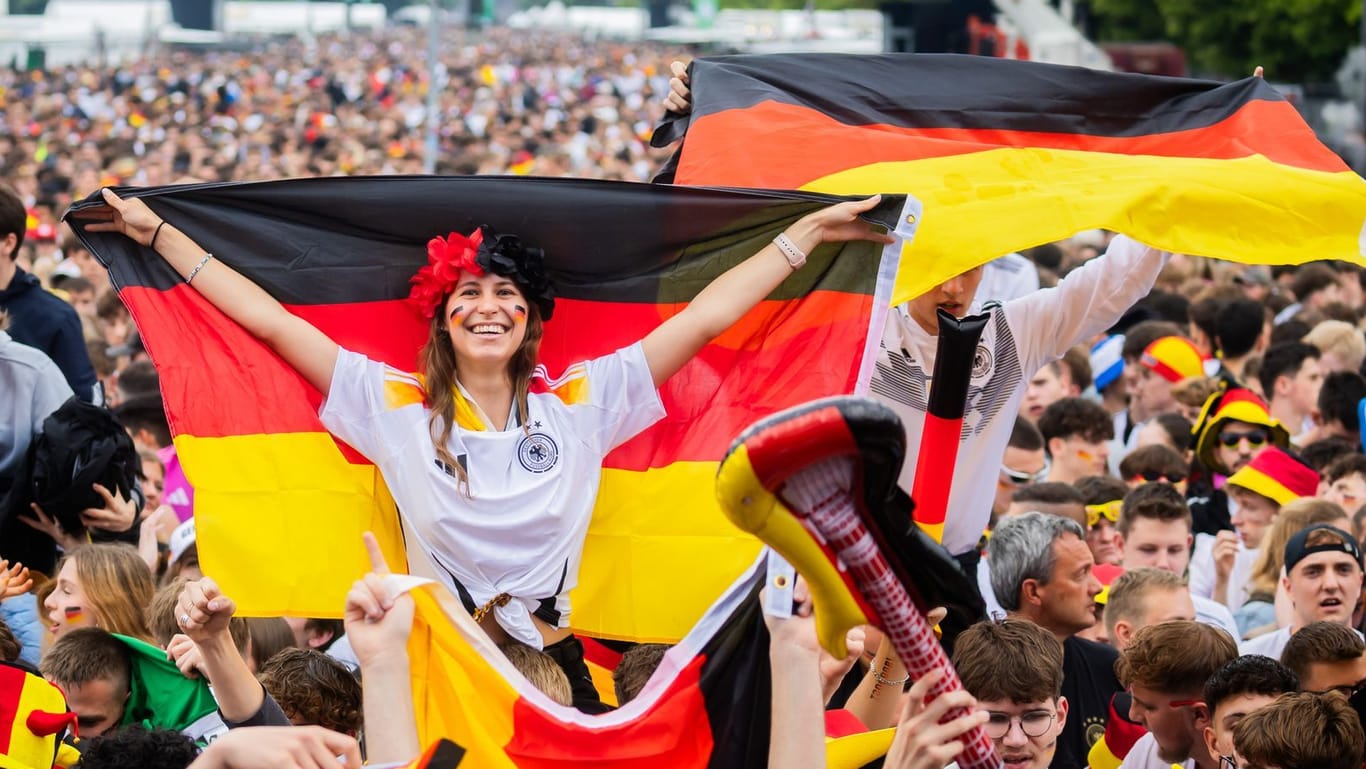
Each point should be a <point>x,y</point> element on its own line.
<point>489,328</point>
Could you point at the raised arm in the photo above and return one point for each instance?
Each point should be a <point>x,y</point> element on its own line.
<point>203,613</point>
<point>303,346</point>
<point>1086,302</point>
<point>726,299</point>
<point>797,722</point>
<point>378,622</point>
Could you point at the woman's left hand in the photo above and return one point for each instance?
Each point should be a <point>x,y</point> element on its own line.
<point>118,514</point>
<point>839,223</point>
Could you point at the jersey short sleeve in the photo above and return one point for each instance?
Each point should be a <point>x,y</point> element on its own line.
<point>365,394</point>
<point>623,397</point>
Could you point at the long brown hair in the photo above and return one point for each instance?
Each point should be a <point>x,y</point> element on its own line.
<point>117,586</point>
<point>438,367</point>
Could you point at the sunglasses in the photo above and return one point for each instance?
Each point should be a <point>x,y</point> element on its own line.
<point>1021,478</point>
<point>1254,438</point>
<point>1109,511</point>
<point>1152,476</point>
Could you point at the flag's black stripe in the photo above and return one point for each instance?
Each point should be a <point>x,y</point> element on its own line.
<point>338,240</point>
<point>971,92</point>
<point>737,688</point>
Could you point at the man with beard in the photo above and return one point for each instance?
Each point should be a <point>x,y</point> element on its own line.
<point>1165,668</point>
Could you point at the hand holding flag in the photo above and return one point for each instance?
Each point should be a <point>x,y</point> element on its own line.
<point>378,618</point>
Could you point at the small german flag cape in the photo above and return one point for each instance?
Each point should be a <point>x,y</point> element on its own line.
<point>1008,154</point>
<point>707,706</point>
<point>280,504</point>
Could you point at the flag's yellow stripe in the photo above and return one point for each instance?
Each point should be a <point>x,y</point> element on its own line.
<point>604,683</point>
<point>658,553</point>
<point>280,518</point>
<point>457,694</point>
<point>981,205</point>
<point>856,750</point>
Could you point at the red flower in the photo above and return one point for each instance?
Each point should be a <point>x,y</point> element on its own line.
<point>446,259</point>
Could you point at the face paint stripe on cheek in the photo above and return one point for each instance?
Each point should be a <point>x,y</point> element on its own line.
<point>519,313</point>
<point>458,314</point>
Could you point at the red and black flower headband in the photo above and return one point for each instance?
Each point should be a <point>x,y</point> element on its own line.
<point>482,252</point>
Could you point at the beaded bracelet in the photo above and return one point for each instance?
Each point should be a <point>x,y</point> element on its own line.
<point>197,268</point>
<point>889,682</point>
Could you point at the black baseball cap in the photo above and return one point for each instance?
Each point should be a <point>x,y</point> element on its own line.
<point>1296,550</point>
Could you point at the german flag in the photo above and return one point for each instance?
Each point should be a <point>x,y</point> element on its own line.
<point>707,705</point>
<point>1008,154</point>
<point>280,504</point>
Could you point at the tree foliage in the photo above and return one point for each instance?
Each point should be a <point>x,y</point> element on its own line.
<point>1296,40</point>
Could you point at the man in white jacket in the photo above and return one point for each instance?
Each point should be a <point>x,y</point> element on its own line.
<point>1022,335</point>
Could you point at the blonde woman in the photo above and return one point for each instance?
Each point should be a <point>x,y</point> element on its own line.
<point>100,585</point>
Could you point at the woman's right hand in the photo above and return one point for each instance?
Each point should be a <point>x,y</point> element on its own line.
<point>131,217</point>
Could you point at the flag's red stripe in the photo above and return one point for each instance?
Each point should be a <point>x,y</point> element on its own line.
<point>599,654</point>
<point>790,352</point>
<point>1260,127</point>
<point>12,681</point>
<point>675,733</point>
<point>800,442</point>
<point>934,470</point>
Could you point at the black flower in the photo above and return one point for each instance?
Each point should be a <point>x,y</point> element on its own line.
<point>508,256</point>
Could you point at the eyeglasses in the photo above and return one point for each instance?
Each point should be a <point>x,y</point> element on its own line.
<point>1152,476</point>
<point>1254,438</point>
<point>1109,511</point>
<point>1035,723</point>
<point>1021,478</point>
<point>1346,690</point>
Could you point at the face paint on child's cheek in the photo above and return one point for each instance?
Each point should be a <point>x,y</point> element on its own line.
<point>518,313</point>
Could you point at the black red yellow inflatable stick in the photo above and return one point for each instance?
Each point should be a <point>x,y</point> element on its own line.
<point>817,484</point>
<point>934,468</point>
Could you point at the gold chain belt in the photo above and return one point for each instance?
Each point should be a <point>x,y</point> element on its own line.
<point>498,600</point>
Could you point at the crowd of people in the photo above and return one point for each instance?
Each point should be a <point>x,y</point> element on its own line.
<point>1169,555</point>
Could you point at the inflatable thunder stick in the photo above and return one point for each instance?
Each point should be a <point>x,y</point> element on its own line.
<point>948,397</point>
<point>817,483</point>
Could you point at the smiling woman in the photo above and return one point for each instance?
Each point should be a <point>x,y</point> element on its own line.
<point>496,482</point>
